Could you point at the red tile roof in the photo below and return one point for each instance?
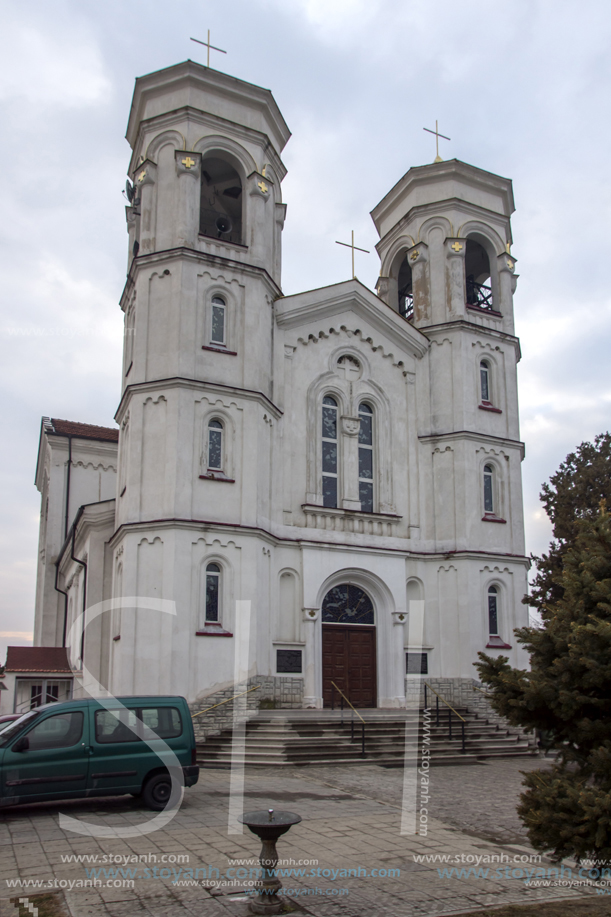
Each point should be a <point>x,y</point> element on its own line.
<point>84,430</point>
<point>37,659</point>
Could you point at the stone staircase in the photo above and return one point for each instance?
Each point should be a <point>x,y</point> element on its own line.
<point>392,738</point>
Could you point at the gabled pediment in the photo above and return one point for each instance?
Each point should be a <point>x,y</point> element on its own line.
<point>339,299</point>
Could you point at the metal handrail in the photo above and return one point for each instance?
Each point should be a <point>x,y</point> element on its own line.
<point>481,690</point>
<point>479,294</point>
<point>353,711</point>
<point>226,701</point>
<point>451,710</point>
<point>346,699</point>
<point>445,702</point>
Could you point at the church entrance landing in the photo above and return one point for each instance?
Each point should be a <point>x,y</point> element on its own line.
<point>349,646</point>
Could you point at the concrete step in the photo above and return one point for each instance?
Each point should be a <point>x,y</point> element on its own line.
<point>303,737</point>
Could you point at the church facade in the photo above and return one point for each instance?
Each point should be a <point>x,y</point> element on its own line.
<point>347,462</point>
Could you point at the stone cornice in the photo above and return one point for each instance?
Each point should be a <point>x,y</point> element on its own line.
<point>89,518</point>
<point>160,385</point>
<point>190,78</point>
<point>439,172</point>
<point>204,525</point>
<point>435,208</point>
<point>161,257</point>
<point>474,436</point>
<point>433,331</point>
<point>168,121</point>
<point>327,302</point>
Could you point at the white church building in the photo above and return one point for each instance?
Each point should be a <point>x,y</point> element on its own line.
<point>348,462</point>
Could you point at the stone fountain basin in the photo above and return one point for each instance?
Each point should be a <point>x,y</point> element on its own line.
<point>259,823</point>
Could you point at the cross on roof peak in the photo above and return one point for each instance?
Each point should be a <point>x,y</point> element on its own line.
<point>210,47</point>
<point>437,136</point>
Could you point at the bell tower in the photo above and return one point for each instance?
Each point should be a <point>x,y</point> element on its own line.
<point>445,246</point>
<point>204,222</point>
<point>447,268</point>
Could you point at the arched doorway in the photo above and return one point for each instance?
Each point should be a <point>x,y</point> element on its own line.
<point>349,645</point>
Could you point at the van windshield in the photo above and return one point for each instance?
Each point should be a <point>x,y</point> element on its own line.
<point>11,729</point>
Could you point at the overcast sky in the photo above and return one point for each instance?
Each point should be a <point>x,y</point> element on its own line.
<point>522,89</point>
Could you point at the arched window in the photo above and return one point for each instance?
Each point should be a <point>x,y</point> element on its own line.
<point>347,604</point>
<point>477,274</point>
<point>213,593</point>
<point>489,489</point>
<point>484,382</point>
<point>366,458</point>
<point>493,611</point>
<point>406,297</point>
<point>215,445</point>
<point>217,321</point>
<point>329,451</point>
<point>221,201</point>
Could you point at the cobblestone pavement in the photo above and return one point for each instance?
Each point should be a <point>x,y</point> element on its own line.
<point>343,829</point>
<point>478,799</point>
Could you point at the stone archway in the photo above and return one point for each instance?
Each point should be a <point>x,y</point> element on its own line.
<point>349,645</point>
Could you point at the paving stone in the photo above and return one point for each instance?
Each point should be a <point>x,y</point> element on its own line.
<point>352,818</point>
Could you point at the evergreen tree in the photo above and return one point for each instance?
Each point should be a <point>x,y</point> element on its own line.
<point>574,493</point>
<point>567,809</point>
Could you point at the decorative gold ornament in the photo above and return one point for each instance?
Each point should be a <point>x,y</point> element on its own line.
<point>457,247</point>
<point>414,256</point>
<point>264,170</point>
<point>188,162</point>
<point>262,186</point>
<point>142,175</point>
<point>510,265</point>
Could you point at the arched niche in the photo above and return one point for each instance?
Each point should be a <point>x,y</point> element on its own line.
<point>221,204</point>
<point>288,606</point>
<point>414,591</point>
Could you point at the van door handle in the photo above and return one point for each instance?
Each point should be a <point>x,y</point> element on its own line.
<point>87,749</point>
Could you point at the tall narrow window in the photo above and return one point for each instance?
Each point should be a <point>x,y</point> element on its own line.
<point>484,379</point>
<point>217,326</point>
<point>488,489</point>
<point>329,451</point>
<point>215,445</point>
<point>493,611</point>
<point>366,458</point>
<point>213,590</point>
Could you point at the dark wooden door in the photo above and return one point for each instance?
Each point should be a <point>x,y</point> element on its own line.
<point>349,659</point>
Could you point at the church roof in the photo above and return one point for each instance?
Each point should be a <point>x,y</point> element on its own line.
<point>83,430</point>
<point>37,659</point>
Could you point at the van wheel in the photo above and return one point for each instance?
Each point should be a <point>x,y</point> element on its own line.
<point>157,791</point>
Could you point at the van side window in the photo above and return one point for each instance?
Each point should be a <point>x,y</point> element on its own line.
<point>120,728</point>
<point>165,722</point>
<point>59,731</point>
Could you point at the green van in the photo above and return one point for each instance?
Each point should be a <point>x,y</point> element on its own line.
<point>79,748</point>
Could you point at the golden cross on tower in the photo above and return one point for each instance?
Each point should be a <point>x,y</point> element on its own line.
<point>210,47</point>
<point>437,136</point>
<point>353,247</point>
